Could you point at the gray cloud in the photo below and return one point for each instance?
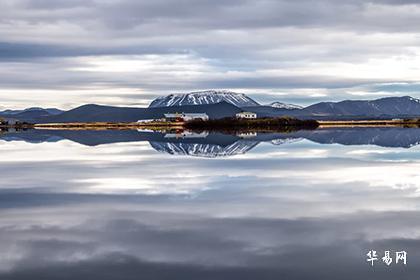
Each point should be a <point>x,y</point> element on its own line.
<point>258,46</point>
<point>221,15</point>
<point>24,51</point>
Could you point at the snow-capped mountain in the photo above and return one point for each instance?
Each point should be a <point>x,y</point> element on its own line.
<point>204,150</point>
<point>204,97</point>
<point>281,105</point>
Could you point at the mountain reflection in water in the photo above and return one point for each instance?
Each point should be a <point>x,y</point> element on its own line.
<point>216,144</point>
<point>300,205</point>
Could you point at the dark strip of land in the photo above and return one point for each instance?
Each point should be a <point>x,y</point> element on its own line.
<point>395,122</point>
<point>225,124</point>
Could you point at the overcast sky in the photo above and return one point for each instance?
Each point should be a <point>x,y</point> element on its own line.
<point>63,53</point>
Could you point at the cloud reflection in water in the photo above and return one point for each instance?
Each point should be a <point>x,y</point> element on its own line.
<point>120,211</point>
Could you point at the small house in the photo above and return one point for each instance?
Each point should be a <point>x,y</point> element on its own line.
<point>184,117</point>
<point>245,135</point>
<point>146,120</point>
<point>246,115</point>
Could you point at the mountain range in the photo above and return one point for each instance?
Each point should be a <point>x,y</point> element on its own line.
<point>30,114</point>
<point>220,104</point>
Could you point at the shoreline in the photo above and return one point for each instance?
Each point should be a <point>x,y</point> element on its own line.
<point>370,123</point>
<point>200,125</point>
<point>109,126</point>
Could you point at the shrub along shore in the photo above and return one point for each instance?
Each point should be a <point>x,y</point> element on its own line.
<point>254,124</point>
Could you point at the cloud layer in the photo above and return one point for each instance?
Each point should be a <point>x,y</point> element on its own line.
<point>296,51</point>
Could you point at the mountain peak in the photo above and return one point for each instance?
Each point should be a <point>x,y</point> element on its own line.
<point>203,97</point>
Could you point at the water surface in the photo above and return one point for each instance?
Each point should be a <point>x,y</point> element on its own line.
<point>144,205</point>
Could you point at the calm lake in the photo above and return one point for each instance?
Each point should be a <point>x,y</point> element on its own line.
<point>146,205</point>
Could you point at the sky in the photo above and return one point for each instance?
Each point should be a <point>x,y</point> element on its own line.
<point>65,53</point>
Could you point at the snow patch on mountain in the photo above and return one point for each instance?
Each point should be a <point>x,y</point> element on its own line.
<point>204,150</point>
<point>285,141</point>
<point>414,99</point>
<point>281,105</point>
<point>203,97</point>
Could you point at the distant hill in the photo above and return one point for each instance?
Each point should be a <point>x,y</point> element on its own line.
<point>389,106</point>
<point>30,114</point>
<point>268,111</point>
<point>98,113</point>
<point>50,111</point>
<point>202,98</point>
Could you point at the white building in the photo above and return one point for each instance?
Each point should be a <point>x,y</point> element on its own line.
<point>245,135</point>
<point>246,115</point>
<point>147,120</point>
<point>186,117</point>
